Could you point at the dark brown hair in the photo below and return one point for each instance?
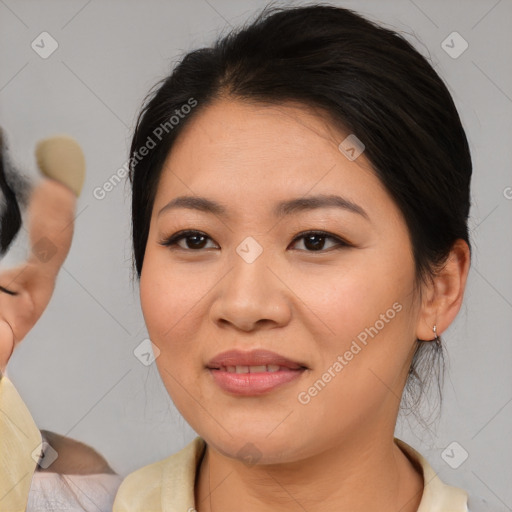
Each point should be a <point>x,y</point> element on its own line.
<point>10,196</point>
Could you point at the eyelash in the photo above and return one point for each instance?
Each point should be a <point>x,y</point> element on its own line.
<point>6,290</point>
<point>174,239</point>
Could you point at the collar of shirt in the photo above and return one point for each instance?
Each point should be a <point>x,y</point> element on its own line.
<point>168,485</point>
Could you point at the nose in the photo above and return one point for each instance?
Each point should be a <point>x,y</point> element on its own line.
<point>251,296</point>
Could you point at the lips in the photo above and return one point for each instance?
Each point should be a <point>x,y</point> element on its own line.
<point>253,373</point>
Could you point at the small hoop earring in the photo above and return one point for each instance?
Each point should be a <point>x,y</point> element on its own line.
<point>436,337</point>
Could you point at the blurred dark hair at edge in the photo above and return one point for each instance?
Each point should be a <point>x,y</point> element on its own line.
<point>14,191</point>
<point>369,81</point>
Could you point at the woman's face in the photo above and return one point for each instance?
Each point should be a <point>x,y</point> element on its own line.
<point>335,315</point>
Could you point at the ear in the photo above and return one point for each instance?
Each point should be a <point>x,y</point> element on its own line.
<point>442,299</point>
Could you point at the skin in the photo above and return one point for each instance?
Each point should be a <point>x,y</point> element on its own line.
<point>336,452</point>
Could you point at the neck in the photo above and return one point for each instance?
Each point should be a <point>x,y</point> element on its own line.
<point>361,474</point>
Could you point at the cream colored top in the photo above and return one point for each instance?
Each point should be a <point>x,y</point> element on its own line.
<point>168,485</point>
<point>164,486</point>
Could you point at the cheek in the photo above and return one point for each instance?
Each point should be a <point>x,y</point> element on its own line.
<point>171,304</point>
<point>367,317</point>
<point>346,303</point>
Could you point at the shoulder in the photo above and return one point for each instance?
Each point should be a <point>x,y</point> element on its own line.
<point>73,457</point>
<point>78,479</point>
<point>437,495</point>
<point>141,488</point>
<point>170,480</point>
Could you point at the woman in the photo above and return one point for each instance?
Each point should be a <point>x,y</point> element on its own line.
<point>300,234</point>
<point>299,214</point>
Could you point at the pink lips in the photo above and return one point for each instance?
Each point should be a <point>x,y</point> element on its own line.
<point>252,373</point>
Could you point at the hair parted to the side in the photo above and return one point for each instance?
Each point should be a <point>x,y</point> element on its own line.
<point>369,81</point>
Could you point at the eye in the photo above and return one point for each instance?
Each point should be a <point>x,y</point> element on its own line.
<point>195,239</point>
<point>314,241</point>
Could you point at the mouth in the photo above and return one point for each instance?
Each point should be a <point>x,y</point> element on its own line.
<point>253,373</point>
<point>270,368</point>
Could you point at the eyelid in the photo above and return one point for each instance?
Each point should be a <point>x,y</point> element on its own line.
<point>172,240</point>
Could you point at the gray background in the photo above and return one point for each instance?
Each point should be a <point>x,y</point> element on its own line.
<point>76,370</point>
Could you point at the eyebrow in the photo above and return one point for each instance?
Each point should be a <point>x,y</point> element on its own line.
<point>281,209</point>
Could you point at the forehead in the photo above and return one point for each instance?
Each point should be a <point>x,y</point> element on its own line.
<point>228,132</point>
<point>253,153</point>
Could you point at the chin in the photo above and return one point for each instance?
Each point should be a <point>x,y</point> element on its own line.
<point>253,448</point>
